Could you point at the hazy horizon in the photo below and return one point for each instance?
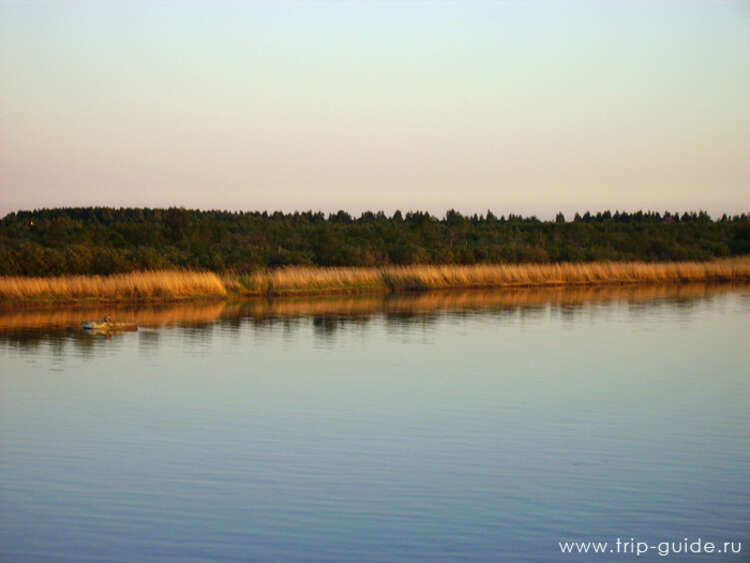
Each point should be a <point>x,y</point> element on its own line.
<point>389,213</point>
<point>528,108</point>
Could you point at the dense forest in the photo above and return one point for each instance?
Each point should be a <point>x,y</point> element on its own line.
<point>106,240</point>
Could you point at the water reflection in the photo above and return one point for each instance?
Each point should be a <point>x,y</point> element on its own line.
<point>28,328</point>
<point>455,425</point>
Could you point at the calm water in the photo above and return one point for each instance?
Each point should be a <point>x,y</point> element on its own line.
<point>472,426</point>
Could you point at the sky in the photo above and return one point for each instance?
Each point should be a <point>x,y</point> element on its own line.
<point>525,107</point>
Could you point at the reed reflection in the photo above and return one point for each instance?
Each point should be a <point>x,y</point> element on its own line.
<point>26,329</point>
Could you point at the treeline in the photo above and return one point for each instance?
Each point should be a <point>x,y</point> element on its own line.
<point>101,240</point>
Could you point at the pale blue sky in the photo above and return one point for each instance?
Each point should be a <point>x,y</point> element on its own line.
<point>515,106</point>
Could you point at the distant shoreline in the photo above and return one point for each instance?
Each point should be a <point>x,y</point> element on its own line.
<point>105,241</point>
<point>173,285</point>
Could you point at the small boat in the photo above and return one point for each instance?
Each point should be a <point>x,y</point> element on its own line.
<point>94,325</point>
<point>107,325</point>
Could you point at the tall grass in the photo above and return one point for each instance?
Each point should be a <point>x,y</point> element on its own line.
<point>308,280</point>
<point>421,277</point>
<point>157,285</point>
<point>175,285</point>
<point>487,276</point>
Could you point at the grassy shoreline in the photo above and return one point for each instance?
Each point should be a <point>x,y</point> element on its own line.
<point>157,286</point>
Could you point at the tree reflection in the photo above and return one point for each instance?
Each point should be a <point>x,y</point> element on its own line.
<point>26,329</point>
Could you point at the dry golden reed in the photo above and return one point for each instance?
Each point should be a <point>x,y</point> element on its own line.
<point>135,286</point>
<point>422,277</point>
<point>300,279</point>
<point>486,276</point>
<point>172,285</point>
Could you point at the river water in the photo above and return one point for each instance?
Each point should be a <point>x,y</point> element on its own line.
<point>450,426</point>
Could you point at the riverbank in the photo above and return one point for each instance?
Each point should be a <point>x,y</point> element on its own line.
<point>189,285</point>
